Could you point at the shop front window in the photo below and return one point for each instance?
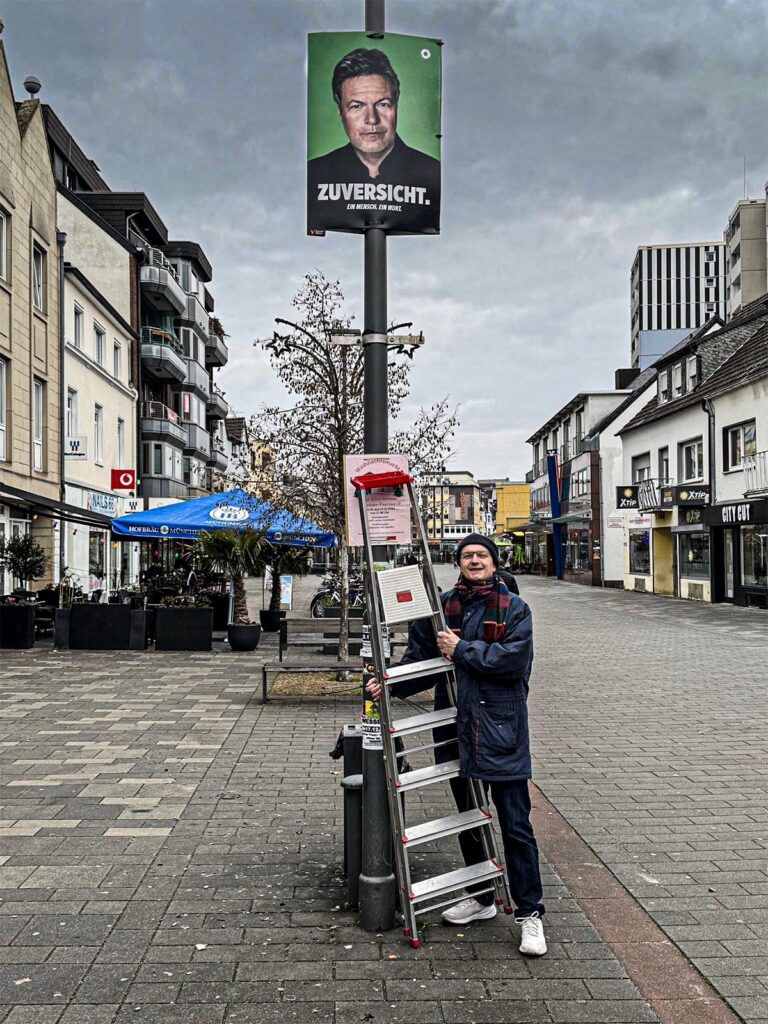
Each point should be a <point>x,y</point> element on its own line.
<point>694,555</point>
<point>640,552</point>
<point>577,551</point>
<point>96,556</point>
<point>754,555</point>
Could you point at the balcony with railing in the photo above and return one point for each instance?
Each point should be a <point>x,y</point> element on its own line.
<point>217,406</point>
<point>158,279</point>
<point>162,354</point>
<point>218,457</point>
<point>197,314</point>
<point>161,423</point>
<point>565,452</point>
<point>197,378</point>
<point>577,445</point>
<point>756,473</point>
<point>655,494</point>
<point>198,441</point>
<point>216,348</point>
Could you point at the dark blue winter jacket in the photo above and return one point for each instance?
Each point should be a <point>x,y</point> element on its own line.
<point>492,686</point>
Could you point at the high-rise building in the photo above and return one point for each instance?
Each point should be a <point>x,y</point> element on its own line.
<point>746,264</point>
<point>674,290</point>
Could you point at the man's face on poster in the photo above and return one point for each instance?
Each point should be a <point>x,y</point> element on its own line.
<point>369,114</point>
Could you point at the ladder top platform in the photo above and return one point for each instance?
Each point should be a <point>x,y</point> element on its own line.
<point>368,481</point>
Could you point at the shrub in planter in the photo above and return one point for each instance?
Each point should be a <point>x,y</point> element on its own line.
<point>184,623</point>
<point>17,625</point>
<point>235,553</point>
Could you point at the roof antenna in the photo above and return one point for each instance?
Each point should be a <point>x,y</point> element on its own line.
<point>745,177</point>
<point>33,85</point>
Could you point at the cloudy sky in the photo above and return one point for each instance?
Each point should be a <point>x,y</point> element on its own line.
<point>573,132</point>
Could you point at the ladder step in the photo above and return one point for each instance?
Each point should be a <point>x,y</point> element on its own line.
<point>428,831</point>
<point>414,669</point>
<point>453,880</point>
<point>423,722</point>
<point>426,776</point>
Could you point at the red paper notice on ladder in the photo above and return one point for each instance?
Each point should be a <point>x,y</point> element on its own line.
<point>389,515</point>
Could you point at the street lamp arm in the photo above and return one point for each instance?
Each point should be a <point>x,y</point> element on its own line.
<point>296,327</point>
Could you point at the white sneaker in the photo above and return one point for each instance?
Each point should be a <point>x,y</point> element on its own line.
<point>468,910</point>
<point>533,942</point>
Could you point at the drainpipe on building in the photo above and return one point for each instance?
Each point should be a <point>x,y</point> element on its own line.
<point>61,241</point>
<point>139,260</point>
<point>708,408</point>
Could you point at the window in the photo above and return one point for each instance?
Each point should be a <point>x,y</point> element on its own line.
<point>3,380</point>
<point>641,467</point>
<point>754,555</point>
<point>79,322</point>
<point>691,460</point>
<point>98,343</point>
<point>694,555</point>
<point>120,443</point>
<point>663,465</point>
<point>740,443</point>
<point>98,427</point>
<point>663,386</point>
<point>677,380</point>
<point>117,359</point>
<point>640,552</point>
<point>38,278</point>
<point>38,405</point>
<point>3,245</point>
<point>692,372</point>
<point>71,412</point>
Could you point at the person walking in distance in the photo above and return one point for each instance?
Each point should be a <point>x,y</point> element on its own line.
<point>490,642</point>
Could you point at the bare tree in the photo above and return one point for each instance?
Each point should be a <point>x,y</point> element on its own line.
<point>324,422</point>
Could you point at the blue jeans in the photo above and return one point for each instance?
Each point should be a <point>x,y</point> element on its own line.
<point>513,807</point>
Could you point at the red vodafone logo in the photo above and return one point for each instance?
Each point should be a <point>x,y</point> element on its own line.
<point>123,479</point>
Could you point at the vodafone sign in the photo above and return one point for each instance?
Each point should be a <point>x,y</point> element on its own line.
<point>123,479</point>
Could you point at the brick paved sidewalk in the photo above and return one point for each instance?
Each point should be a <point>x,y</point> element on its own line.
<point>169,852</point>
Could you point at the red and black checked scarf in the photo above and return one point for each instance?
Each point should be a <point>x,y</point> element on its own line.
<point>496,597</point>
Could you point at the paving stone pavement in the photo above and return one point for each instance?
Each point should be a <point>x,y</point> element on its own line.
<point>171,853</point>
<point>650,738</point>
<point>170,850</point>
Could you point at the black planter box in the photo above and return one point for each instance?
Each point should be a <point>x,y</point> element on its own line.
<point>100,627</point>
<point>17,626</point>
<point>183,629</point>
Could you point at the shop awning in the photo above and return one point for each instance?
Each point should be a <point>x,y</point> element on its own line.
<point>49,508</point>
<point>574,517</point>
<point>690,528</point>
<point>235,509</point>
<point>536,527</point>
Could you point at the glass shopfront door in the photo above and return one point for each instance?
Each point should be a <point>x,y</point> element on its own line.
<point>728,564</point>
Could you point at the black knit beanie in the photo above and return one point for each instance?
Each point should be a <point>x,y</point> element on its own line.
<point>477,538</point>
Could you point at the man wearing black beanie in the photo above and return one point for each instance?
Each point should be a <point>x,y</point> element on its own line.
<point>489,639</point>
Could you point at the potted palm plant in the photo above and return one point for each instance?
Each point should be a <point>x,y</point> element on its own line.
<point>25,560</point>
<point>281,560</point>
<point>237,553</point>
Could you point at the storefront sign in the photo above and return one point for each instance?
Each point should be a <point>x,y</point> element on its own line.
<point>96,501</point>
<point>691,516</point>
<point>639,521</point>
<point>627,497</point>
<point>123,479</point>
<point>667,497</point>
<point>76,447</point>
<point>616,521</point>
<point>736,513</point>
<point>373,133</point>
<point>692,495</point>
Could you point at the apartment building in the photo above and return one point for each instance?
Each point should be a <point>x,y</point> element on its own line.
<point>565,534</point>
<point>451,508</point>
<point>181,344</point>
<point>670,452</point>
<point>745,245</point>
<point>30,345</point>
<point>674,289</point>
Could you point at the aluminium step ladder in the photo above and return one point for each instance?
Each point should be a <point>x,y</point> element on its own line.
<point>397,596</point>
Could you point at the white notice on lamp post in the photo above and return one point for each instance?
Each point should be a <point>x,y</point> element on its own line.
<point>389,513</point>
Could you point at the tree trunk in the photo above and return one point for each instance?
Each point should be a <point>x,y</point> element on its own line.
<point>344,609</point>
<point>274,598</point>
<point>240,612</point>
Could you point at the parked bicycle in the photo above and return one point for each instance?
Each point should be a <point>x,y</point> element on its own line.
<point>328,596</point>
